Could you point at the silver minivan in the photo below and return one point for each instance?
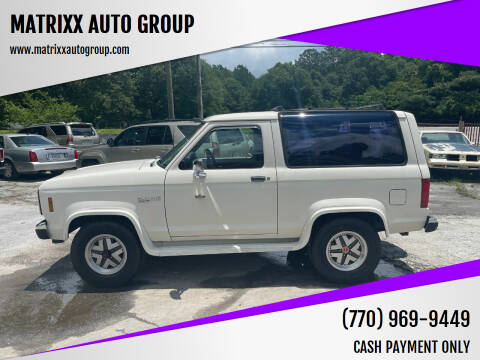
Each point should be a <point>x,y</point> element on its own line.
<point>74,134</point>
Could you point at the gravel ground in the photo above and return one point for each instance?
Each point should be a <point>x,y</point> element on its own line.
<point>44,304</point>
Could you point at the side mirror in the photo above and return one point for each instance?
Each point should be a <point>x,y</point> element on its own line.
<point>110,142</point>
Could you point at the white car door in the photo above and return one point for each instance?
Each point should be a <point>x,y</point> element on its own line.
<point>238,194</point>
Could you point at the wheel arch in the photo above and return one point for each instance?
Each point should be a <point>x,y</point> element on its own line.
<point>371,211</point>
<point>126,218</point>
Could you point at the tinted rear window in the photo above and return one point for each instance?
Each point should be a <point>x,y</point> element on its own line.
<point>59,129</point>
<point>342,139</point>
<point>82,130</point>
<point>188,130</point>
<point>32,140</point>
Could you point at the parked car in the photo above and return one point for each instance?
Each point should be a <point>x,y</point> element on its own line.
<point>318,184</point>
<point>450,150</point>
<point>2,156</point>
<point>79,135</point>
<point>140,142</point>
<point>28,154</point>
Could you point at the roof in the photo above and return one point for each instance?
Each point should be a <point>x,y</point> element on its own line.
<point>439,131</point>
<point>263,115</point>
<point>269,115</point>
<point>19,134</point>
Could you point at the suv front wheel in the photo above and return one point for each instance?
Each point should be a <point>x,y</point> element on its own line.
<point>105,254</point>
<point>345,250</point>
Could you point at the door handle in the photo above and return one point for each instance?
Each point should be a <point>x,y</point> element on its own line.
<point>258,178</point>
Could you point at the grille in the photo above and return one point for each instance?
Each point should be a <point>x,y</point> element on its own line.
<point>472,158</point>
<point>453,157</point>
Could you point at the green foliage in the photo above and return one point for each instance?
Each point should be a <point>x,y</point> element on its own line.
<point>37,107</point>
<point>335,77</point>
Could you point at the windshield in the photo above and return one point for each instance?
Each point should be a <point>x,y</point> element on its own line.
<point>163,162</point>
<point>27,141</point>
<point>452,138</point>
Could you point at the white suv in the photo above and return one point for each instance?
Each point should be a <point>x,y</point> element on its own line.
<point>318,184</point>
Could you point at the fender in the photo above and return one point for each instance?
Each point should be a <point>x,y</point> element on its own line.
<point>93,155</point>
<point>145,240</point>
<point>347,205</point>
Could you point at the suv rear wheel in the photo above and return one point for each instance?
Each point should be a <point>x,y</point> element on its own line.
<point>346,250</point>
<point>105,254</point>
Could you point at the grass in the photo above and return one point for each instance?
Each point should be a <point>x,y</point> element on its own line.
<point>109,131</point>
<point>8,131</point>
<point>462,189</point>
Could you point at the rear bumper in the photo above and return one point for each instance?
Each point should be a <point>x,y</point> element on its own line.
<point>41,229</point>
<point>48,166</point>
<point>431,224</point>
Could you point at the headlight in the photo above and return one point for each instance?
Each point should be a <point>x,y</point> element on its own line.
<point>438,156</point>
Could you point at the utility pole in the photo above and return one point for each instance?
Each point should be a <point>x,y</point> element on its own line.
<point>171,109</point>
<point>199,88</point>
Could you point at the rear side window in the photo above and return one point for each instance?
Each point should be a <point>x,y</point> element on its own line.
<point>159,135</point>
<point>82,130</point>
<point>1,142</point>
<point>342,139</point>
<point>188,130</point>
<point>59,129</point>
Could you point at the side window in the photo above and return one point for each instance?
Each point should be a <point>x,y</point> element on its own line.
<point>41,130</point>
<point>159,135</point>
<point>132,137</point>
<point>59,129</point>
<point>228,148</point>
<point>2,144</point>
<point>342,139</point>
<point>188,130</point>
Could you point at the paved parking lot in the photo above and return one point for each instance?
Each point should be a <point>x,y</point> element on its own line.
<point>44,304</point>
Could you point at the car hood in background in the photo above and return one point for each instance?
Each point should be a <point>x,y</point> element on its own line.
<point>451,147</point>
<point>124,173</point>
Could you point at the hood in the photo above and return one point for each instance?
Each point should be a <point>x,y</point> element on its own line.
<point>124,173</point>
<point>452,147</point>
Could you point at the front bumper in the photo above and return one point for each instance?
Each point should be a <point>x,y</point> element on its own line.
<point>431,224</point>
<point>48,166</point>
<point>41,230</point>
<point>453,165</point>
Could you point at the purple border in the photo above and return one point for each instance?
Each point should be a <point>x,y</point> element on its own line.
<point>429,277</point>
<point>444,32</point>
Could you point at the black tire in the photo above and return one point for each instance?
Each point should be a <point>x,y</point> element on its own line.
<point>12,174</point>
<point>87,273</point>
<point>89,162</point>
<point>320,241</point>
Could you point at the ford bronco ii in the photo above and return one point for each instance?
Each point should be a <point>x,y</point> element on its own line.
<point>318,184</point>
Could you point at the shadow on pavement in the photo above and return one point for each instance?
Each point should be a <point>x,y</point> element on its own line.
<point>179,273</point>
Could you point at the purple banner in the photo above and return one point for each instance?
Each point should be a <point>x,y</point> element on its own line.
<point>446,32</point>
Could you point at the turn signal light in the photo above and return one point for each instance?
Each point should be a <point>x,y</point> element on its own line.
<point>425,193</point>
<point>32,156</point>
<point>69,139</point>
<point>76,154</point>
<point>50,204</point>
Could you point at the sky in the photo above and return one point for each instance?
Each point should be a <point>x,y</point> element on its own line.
<point>259,57</point>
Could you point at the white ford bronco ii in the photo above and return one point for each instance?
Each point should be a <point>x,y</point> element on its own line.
<point>318,184</point>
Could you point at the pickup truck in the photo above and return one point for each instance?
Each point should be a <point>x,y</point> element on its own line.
<point>319,185</point>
